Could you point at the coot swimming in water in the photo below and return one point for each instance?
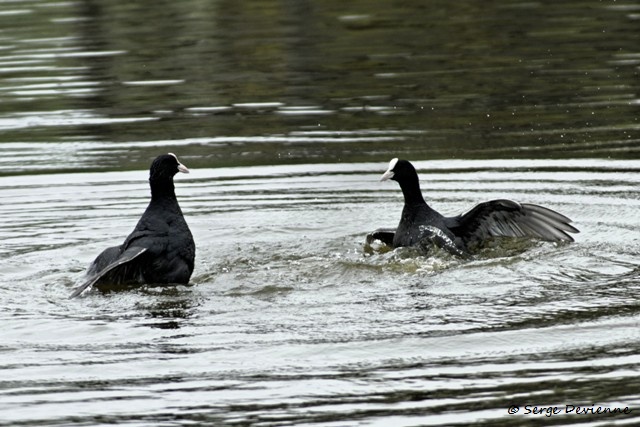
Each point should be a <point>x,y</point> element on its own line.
<point>422,226</point>
<point>160,250</point>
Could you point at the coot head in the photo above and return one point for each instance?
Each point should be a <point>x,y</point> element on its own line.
<point>400,171</point>
<point>165,167</point>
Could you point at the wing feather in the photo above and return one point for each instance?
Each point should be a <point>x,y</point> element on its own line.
<point>510,219</point>
<point>126,257</point>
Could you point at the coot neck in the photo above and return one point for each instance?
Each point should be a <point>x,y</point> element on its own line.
<point>162,189</point>
<point>411,191</point>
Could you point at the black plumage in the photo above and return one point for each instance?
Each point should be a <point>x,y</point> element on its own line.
<point>420,225</point>
<point>160,250</point>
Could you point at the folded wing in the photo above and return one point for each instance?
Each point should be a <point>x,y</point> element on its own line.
<point>385,235</point>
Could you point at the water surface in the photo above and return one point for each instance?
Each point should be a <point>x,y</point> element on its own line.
<point>287,113</point>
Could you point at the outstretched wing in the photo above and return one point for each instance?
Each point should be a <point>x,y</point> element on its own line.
<point>385,235</point>
<point>510,219</point>
<point>126,257</point>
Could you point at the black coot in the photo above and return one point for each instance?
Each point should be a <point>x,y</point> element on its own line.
<point>420,225</point>
<point>160,249</point>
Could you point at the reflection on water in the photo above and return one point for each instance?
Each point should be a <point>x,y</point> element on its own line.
<point>496,80</point>
<point>287,112</point>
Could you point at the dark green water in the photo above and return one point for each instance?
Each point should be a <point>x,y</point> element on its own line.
<point>287,113</point>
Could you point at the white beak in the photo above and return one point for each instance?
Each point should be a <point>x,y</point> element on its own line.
<point>182,168</point>
<point>387,175</point>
